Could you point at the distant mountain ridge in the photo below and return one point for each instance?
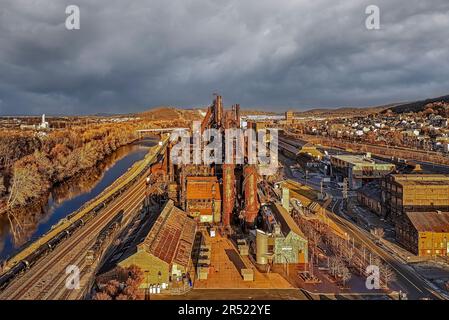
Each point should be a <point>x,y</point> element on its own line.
<point>343,111</point>
<point>171,113</point>
<point>176,113</point>
<point>417,106</point>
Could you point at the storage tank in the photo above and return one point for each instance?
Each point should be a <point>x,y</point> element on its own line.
<point>261,247</point>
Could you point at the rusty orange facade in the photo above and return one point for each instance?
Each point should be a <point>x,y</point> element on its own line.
<point>228,192</point>
<point>250,187</point>
<point>213,193</point>
<point>203,198</point>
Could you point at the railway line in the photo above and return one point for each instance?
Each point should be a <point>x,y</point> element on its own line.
<point>69,241</point>
<point>57,289</point>
<point>21,261</point>
<point>413,284</point>
<point>38,282</point>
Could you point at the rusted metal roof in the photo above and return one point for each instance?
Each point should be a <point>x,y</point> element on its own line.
<point>203,188</point>
<point>286,221</point>
<point>433,221</point>
<point>171,238</point>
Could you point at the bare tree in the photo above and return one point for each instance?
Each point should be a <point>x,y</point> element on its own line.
<point>335,265</point>
<point>101,296</point>
<point>376,260</point>
<point>122,297</point>
<point>345,275</point>
<point>27,183</point>
<point>315,237</point>
<point>387,274</point>
<point>112,288</point>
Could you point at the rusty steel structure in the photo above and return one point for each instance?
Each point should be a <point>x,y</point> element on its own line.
<point>228,193</point>
<point>251,208</point>
<point>217,193</point>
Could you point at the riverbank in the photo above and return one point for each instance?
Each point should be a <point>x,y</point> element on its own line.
<point>68,197</point>
<point>111,193</point>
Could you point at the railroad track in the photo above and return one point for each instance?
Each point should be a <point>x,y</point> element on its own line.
<point>53,288</point>
<point>40,273</point>
<point>132,173</point>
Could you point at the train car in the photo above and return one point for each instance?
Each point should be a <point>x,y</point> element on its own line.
<point>6,278</point>
<point>58,238</point>
<point>98,247</point>
<point>98,207</point>
<point>86,218</point>
<point>77,224</point>
<point>32,258</point>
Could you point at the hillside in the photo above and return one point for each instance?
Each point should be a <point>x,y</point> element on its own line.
<point>170,114</point>
<point>344,111</point>
<point>417,105</point>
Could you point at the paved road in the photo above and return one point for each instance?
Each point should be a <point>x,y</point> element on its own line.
<point>409,281</point>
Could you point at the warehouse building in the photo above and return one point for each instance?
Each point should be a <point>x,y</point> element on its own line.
<point>359,169</point>
<point>283,242</point>
<point>203,198</point>
<point>370,196</point>
<point>163,253</point>
<point>290,244</point>
<point>424,233</point>
<point>403,193</point>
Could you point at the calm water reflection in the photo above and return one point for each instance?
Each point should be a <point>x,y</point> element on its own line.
<point>68,197</point>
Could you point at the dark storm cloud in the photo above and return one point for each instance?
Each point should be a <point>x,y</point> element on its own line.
<point>276,54</point>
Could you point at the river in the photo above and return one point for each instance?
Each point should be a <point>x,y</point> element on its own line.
<point>68,197</point>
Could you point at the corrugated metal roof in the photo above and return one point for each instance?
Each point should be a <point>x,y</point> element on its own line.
<point>171,238</point>
<point>286,221</point>
<point>430,221</point>
<point>203,188</point>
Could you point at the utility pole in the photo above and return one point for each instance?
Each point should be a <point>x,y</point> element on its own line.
<point>345,189</point>
<point>321,189</point>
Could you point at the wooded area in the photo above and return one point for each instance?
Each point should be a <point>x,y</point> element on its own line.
<point>31,164</point>
<point>125,287</point>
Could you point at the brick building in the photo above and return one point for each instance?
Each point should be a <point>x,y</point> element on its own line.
<point>370,196</point>
<point>403,193</point>
<point>164,252</point>
<point>424,233</point>
<point>359,169</point>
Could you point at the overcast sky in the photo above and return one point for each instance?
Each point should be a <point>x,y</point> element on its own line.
<point>274,55</point>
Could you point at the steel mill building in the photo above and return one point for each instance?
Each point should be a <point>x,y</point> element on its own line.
<point>424,233</point>
<point>281,241</point>
<point>217,193</point>
<point>164,253</point>
<point>360,169</point>
<point>402,193</point>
